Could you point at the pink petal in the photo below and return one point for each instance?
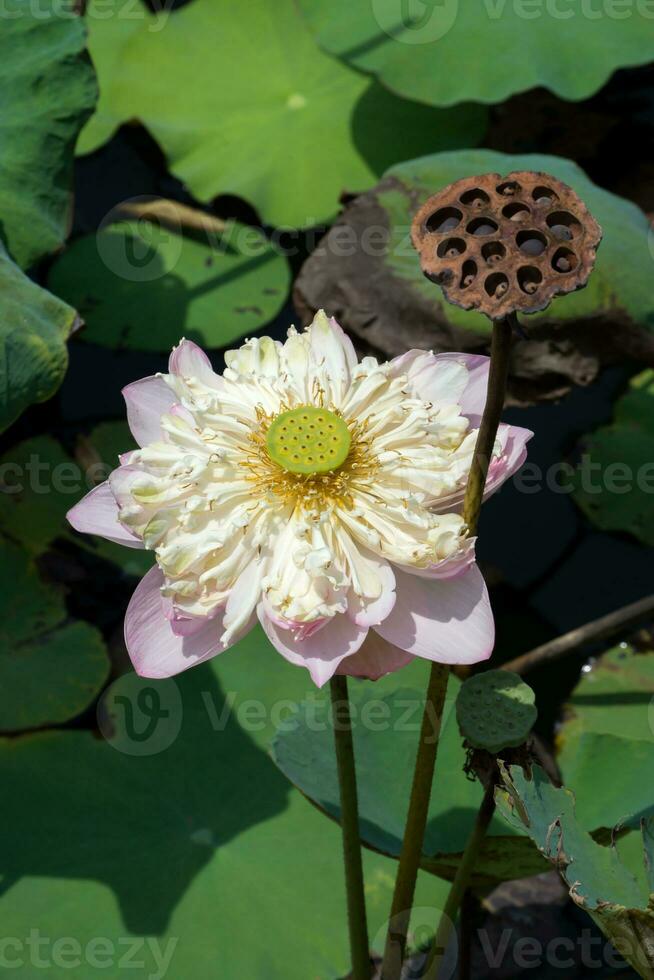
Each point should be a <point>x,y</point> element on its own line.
<point>97,513</point>
<point>147,401</point>
<point>154,649</point>
<point>188,625</point>
<point>513,440</point>
<point>181,413</point>
<point>322,651</point>
<point>181,623</point>
<point>189,361</point>
<point>375,659</point>
<point>514,454</point>
<point>446,620</point>
<point>473,398</point>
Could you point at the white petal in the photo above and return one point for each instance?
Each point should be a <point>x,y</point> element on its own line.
<point>242,601</point>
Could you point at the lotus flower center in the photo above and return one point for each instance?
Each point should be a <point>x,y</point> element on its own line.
<point>308,440</point>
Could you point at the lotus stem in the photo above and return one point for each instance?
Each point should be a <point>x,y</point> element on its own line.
<point>497,378</point>
<point>599,629</point>
<point>459,886</point>
<point>414,833</point>
<point>352,859</point>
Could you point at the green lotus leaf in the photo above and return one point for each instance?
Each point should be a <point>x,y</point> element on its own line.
<point>381,295</point>
<point>50,669</point>
<point>48,91</point>
<point>615,485</point>
<point>34,327</point>
<point>289,138</point>
<point>608,728</point>
<point>496,710</point>
<point>630,853</point>
<point>613,696</point>
<point>445,51</point>
<point>385,731</point>
<point>648,840</point>
<point>34,476</point>
<point>624,797</point>
<point>598,880</point>
<point>172,838</point>
<point>140,285</point>
<point>40,482</point>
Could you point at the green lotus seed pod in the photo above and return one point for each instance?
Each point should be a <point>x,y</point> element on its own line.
<point>495,710</point>
<point>308,440</point>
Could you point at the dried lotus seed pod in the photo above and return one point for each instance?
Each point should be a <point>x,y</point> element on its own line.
<point>503,245</point>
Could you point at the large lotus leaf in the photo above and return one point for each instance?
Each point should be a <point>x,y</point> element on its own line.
<point>614,696</point>
<point>202,847</point>
<point>289,138</point>
<point>630,852</point>
<point>609,728</point>
<point>386,735</point>
<point>110,27</point>
<point>40,482</point>
<point>445,51</point>
<point>377,290</point>
<point>34,496</point>
<point>50,669</point>
<point>254,674</point>
<point>615,486</point>
<point>648,840</point>
<point>34,327</point>
<point>598,880</point>
<point>141,285</point>
<point>610,777</point>
<point>47,92</point>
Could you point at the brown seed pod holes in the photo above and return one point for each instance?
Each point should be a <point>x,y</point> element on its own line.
<point>504,245</point>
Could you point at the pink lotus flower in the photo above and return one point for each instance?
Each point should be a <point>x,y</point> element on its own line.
<point>316,494</point>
